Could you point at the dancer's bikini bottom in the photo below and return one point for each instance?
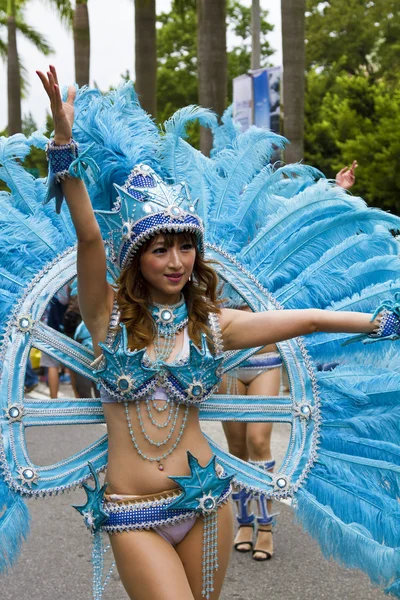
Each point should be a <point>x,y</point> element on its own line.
<point>130,513</point>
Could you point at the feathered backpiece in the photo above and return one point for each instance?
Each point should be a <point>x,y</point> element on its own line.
<point>283,237</point>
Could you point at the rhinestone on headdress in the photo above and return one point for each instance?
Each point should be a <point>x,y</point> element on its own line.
<point>145,206</point>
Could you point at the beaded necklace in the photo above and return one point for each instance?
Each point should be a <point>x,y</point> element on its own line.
<point>168,320</point>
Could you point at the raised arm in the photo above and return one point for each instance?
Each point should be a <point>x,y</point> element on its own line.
<point>95,294</point>
<point>241,329</point>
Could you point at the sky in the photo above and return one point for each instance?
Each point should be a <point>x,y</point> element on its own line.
<point>112,48</point>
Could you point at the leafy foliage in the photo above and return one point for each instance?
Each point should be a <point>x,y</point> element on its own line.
<point>36,161</point>
<point>177,53</point>
<point>354,35</point>
<point>352,97</point>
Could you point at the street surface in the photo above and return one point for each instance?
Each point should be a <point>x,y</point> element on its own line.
<point>56,562</point>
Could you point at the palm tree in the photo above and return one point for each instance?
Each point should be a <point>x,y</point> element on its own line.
<point>293,45</point>
<point>11,16</point>
<point>146,54</point>
<point>13,73</point>
<point>212,61</point>
<point>82,43</point>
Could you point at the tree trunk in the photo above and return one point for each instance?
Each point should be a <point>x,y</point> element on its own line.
<point>82,43</point>
<point>211,56</point>
<point>293,45</point>
<point>255,35</point>
<point>13,74</point>
<point>146,55</point>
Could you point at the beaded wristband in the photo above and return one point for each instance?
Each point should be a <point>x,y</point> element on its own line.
<point>60,158</point>
<point>388,326</point>
<point>66,161</point>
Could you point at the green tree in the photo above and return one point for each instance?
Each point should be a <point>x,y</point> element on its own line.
<point>377,148</point>
<point>352,98</point>
<point>177,82</point>
<point>12,18</point>
<point>354,35</point>
<point>354,117</point>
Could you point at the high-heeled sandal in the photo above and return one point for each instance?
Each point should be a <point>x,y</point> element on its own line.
<point>245,519</point>
<point>244,546</point>
<point>260,554</point>
<point>265,519</point>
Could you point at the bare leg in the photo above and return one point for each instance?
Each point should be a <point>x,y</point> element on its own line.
<point>235,432</point>
<point>72,376</point>
<point>54,381</point>
<point>191,548</point>
<point>83,386</point>
<point>259,446</point>
<point>149,567</point>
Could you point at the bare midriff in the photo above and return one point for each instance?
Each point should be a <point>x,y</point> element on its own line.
<point>128,472</point>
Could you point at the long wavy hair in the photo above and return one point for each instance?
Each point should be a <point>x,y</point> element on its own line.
<point>200,295</point>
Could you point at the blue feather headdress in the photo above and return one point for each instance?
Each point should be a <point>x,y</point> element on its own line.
<point>145,206</point>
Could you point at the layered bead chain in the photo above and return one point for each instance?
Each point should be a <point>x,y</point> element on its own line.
<point>169,320</point>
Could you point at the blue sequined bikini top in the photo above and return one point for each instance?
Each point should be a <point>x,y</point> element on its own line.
<point>131,375</point>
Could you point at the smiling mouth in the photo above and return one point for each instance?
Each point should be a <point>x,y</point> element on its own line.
<point>175,277</point>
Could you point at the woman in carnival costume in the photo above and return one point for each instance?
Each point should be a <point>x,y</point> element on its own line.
<point>162,342</point>
<point>260,374</point>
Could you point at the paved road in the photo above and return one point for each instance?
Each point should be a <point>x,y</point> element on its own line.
<point>55,563</point>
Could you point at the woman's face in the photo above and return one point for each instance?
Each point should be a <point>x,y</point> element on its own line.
<point>166,270</point>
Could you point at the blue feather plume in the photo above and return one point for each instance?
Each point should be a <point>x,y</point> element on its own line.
<point>225,133</point>
<point>181,161</point>
<point>336,271</point>
<point>297,250</point>
<point>14,526</point>
<point>235,167</point>
<point>122,134</point>
<point>349,544</point>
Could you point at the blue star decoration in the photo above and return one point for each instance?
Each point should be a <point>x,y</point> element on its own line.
<point>203,488</point>
<point>92,512</point>
<point>120,363</point>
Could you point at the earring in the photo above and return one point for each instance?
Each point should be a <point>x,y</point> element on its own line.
<point>190,278</point>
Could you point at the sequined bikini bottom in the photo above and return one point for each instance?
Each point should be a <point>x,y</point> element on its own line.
<point>130,513</point>
<point>255,366</point>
